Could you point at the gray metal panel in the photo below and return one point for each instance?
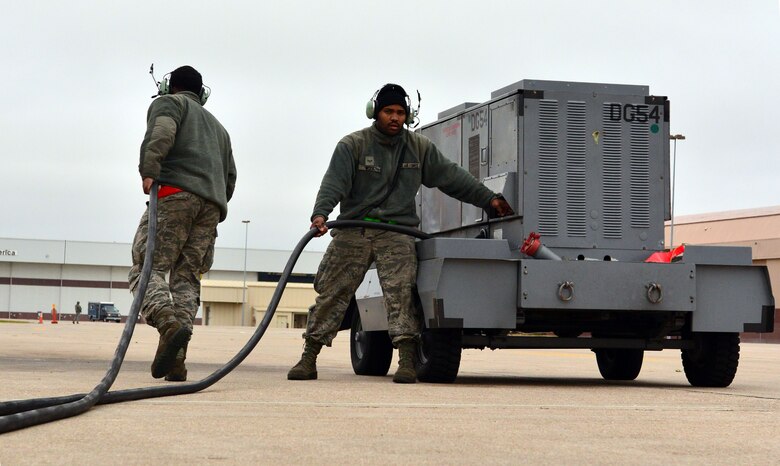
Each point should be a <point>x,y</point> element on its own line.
<point>468,293</point>
<point>506,185</point>
<point>464,248</point>
<point>592,177</point>
<point>606,285</point>
<point>504,147</point>
<point>718,255</point>
<point>438,211</point>
<point>566,86</point>
<point>474,158</point>
<point>373,316</point>
<point>371,303</point>
<point>455,110</point>
<point>503,135</point>
<point>728,297</point>
<point>510,231</point>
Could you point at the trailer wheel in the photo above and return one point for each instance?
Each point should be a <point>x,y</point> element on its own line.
<point>714,360</point>
<point>619,363</point>
<point>371,352</point>
<point>438,355</point>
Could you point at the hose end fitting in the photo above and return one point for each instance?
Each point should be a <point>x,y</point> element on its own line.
<point>532,246</point>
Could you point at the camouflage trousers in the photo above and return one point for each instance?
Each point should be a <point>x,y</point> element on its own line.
<point>184,250</point>
<point>342,269</point>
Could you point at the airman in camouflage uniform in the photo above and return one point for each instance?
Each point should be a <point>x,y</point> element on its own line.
<point>342,269</point>
<point>188,152</point>
<point>185,248</point>
<point>374,175</point>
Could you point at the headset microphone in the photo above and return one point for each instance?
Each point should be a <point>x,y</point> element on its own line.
<point>164,87</point>
<point>411,117</point>
<point>156,84</point>
<point>415,113</point>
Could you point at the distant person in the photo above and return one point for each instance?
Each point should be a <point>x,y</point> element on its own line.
<point>374,174</point>
<point>78,313</point>
<point>188,153</point>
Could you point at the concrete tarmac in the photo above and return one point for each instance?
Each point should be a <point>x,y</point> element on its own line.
<point>506,407</point>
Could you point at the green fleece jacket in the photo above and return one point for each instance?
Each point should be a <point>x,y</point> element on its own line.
<point>186,147</point>
<point>362,169</point>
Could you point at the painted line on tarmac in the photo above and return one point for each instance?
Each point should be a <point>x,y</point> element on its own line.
<point>738,395</point>
<point>325,404</point>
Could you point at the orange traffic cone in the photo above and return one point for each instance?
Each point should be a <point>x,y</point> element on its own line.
<point>40,317</point>
<point>53,314</point>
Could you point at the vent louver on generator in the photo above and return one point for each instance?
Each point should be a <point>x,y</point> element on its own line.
<point>640,176</point>
<point>576,175</point>
<point>548,168</point>
<point>585,165</point>
<point>612,194</point>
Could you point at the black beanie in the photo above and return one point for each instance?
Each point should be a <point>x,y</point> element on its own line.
<point>187,78</point>
<point>391,94</point>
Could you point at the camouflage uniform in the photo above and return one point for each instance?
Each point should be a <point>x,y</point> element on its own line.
<point>360,173</point>
<point>187,151</point>
<point>186,231</point>
<point>341,270</point>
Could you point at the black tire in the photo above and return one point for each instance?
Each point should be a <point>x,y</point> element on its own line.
<point>714,360</point>
<point>371,352</point>
<point>619,363</point>
<point>438,355</point>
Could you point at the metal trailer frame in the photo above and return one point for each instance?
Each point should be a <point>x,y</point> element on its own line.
<point>587,166</point>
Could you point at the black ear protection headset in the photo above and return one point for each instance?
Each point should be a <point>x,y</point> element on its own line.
<point>164,87</point>
<point>411,114</point>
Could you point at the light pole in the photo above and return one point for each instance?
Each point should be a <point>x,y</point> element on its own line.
<point>675,138</point>
<point>243,290</point>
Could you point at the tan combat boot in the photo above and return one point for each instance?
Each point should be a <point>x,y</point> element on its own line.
<point>173,337</point>
<point>179,371</point>
<point>306,369</point>
<point>406,355</point>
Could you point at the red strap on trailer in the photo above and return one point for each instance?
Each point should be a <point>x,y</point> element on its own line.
<point>666,256</point>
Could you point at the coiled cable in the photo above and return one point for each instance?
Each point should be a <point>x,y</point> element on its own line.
<point>19,414</point>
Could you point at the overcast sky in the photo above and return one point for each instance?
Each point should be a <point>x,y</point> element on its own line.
<point>290,78</point>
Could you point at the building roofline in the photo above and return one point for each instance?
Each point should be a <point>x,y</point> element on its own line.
<point>726,215</point>
<point>115,254</point>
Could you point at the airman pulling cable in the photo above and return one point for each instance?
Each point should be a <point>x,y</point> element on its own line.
<point>19,414</point>
<point>30,414</point>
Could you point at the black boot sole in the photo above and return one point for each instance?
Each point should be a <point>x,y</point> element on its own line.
<point>302,376</point>
<point>165,361</point>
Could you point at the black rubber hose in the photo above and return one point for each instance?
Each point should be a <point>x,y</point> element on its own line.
<point>81,403</point>
<point>180,389</point>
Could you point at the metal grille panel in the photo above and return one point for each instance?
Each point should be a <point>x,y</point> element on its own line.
<point>640,176</point>
<point>474,156</point>
<point>576,182</point>
<point>548,167</point>
<point>612,194</point>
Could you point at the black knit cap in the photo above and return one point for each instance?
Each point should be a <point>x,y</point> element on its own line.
<point>187,78</point>
<point>391,94</point>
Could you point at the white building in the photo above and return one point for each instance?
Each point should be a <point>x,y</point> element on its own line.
<point>36,274</point>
